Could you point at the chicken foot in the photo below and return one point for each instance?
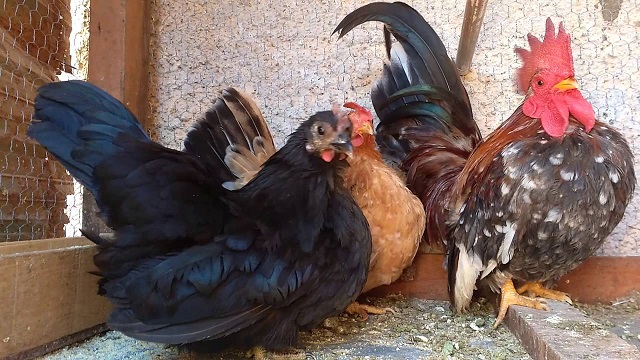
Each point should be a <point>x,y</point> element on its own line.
<point>259,353</point>
<point>509,296</point>
<point>536,289</point>
<point>363,311</point>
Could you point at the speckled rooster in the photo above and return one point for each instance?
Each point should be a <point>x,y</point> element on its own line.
<point>528,203</point>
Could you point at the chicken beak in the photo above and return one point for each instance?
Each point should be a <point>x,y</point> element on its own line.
<point>567,84</point>
<point>342,144</point>
<point>366,128</point>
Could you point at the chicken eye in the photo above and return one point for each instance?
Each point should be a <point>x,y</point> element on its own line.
<point>540,82</point>
<point>320,130</point>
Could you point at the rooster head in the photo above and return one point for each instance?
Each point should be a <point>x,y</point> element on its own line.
<point>548,78</point>
<point>362,121</point>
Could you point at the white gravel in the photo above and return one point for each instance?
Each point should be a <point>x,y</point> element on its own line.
<point>420,329</point>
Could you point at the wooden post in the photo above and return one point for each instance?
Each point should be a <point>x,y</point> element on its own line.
<point>49,299</point>
<point>473,16</point>
<point>118,63</point>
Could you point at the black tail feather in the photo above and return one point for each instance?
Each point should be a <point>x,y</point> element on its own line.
<point>452,265</point>
<point>419,58</point>
<point>78,123</point>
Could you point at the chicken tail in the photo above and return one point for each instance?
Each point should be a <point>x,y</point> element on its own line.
<point>420,85</point>
<point>234,138</point>
<point>82,125</point>
<point>426,123</point>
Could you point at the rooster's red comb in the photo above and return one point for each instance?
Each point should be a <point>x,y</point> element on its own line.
<point>363,113</point>
<point>553,53</point>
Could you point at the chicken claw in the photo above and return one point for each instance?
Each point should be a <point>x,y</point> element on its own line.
<point>363,311</point>
<point>509,296</point>
<point>259,353</point>
<point>537,290</point>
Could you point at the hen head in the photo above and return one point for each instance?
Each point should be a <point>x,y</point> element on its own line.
<point>362,121</point>
<point>329,134</point>
<point>547,75</point>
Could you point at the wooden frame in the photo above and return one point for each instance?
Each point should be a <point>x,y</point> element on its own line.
<point>600,279</point>
<point>49,298</point>
<point>47,293</point>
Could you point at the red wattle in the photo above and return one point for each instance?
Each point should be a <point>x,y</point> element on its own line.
<point>581,109</point>
<point>327,155</point>
<point>357,140</point>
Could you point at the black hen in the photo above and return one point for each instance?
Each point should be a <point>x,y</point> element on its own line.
<point>192,261</point>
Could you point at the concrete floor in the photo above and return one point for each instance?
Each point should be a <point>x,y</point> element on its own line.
<point>419,330</point>
<point>282,53</point>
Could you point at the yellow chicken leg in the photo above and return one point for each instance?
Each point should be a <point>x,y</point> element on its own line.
<point>363,310</point>
<point>509,296</point>
<point>536,289</point>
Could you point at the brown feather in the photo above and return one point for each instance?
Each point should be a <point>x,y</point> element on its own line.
<point>396,217</point>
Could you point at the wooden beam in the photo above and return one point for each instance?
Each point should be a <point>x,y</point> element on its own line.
<point>565,333</point>
<point>59,343</point>
<point>119,52</point>
<point>429,280</point>
<point>471,25</point>
<point>47,293</point>
<point>600,279</point>
<point>119,64</point>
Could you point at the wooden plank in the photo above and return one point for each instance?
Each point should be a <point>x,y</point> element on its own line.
<point>48,293</point>
<point>564,333</point>
<point>8,287</point>
<point>22,248</point>
<point>429,280</point>
<point>59,343</point>
<point>118,58</point>
<point>119,54</point>
<point>600,279</point>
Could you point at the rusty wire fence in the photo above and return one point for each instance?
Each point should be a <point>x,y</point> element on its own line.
<point>283,54</point>
<point>38,199</point>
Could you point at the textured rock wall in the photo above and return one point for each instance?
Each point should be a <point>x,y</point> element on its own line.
<point>282,53</point>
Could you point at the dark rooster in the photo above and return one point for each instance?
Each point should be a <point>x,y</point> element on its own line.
<point>530,202</point>
<point>192,261</point>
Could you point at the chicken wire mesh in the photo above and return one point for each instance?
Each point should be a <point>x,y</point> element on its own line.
<point>281,52</point>
<point>38,199</point>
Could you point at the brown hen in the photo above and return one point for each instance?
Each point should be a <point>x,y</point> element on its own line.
<point>396,216</point>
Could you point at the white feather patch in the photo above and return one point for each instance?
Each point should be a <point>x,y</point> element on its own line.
<point>469,267</point>
<point>554,215</point>
<point>505,251</point>
<point>614,176</point>
<point>490,266</point>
